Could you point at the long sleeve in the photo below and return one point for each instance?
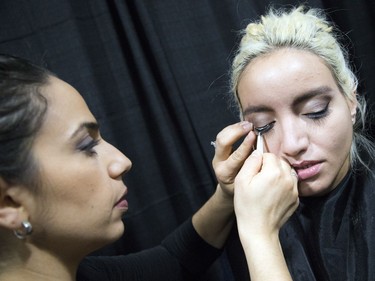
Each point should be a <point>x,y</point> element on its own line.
<point>181,256</point>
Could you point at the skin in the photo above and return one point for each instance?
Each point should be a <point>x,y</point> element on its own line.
<point>311,120</point>
<point>265,196</point>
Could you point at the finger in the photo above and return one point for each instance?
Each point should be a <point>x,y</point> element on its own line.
<point>238,157</point>
<point>227,169</point>
<point>294,174</point>
<point>227,137</point>
<point>270,163</point>
<point>289,170</point>
<point>251,167</point>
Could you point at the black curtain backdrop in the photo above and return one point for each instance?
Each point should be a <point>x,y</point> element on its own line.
<point>155,74</point>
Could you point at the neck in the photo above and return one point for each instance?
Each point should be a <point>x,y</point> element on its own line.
<point>28,262</point>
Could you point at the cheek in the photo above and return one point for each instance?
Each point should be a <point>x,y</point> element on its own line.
<point>339,135</point>
<point>272,143</point>
<point>79,190</point>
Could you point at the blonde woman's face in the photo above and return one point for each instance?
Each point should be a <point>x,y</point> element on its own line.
<point>310,121</point>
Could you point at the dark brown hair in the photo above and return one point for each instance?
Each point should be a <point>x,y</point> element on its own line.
<point>22,110</point>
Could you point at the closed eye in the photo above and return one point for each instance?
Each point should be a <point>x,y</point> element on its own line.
<point>87,145</point>
<point>264,129</point>
<point>318,114</point>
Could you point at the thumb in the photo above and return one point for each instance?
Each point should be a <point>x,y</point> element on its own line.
<point>251,167</point>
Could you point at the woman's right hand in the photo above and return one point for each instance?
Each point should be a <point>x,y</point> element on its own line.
<point>266,194</point>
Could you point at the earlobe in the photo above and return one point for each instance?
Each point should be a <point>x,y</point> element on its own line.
<point>10,217</point>
<point>353,103</point>
<point>12,214</point>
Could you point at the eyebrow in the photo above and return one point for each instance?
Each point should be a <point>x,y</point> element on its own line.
<point>89,126</point>
<point>298,100</point>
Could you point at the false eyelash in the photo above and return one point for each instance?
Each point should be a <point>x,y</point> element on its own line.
<point>264,129</point>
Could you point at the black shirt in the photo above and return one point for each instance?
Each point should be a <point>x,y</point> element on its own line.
<point>333,237</point>
<point>183,255</point>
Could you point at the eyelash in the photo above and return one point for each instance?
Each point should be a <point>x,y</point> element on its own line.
<point>264,129</point>
<point>87,146</point>
<point>319,114</point>
<point>315,116</point>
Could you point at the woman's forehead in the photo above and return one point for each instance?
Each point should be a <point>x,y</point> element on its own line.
<point>66,108</point>
<point>283,74</point>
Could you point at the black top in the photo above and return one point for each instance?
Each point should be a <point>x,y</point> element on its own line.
<point>181,256</point>
<point>331,237</point>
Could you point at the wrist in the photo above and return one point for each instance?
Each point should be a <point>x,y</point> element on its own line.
<point>259,239</point>
<point>223,197</point>
<point>257,232</point>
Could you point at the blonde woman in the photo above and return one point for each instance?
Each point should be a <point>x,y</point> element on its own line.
<point>292,79</point>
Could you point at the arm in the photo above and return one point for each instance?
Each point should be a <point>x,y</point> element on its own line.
<point>265,197</point>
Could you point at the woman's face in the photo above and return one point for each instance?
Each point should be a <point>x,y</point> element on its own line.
<point>81,198</point>
<point>310,121</point>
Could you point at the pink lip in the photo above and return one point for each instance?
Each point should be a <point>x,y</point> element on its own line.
<point>122,203</point>
<point>307,169</point>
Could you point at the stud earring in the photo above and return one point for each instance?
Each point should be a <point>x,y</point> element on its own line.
<point>26,229</point>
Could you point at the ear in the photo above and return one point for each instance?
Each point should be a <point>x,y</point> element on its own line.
<point>353,103</point>
<point>12,214</point>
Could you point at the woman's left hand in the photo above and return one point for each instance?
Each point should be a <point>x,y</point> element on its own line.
<point>226,162</point>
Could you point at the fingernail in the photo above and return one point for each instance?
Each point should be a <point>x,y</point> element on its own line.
<point>246,125</point>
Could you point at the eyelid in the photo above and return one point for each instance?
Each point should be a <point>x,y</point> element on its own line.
<point>87,144</point>
<point>319,111</point>
<point>264,129</point>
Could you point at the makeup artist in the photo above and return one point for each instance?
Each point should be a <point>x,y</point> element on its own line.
<point>292,79</point>
<point>62,194</point>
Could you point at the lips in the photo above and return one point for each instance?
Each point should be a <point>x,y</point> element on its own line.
<point>307,169</point>
<point>122,203</point>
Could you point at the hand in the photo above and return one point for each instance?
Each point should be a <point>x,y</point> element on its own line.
<point>266,194</point>
<point>226,162</point>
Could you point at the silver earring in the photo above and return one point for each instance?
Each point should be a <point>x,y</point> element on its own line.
<point>25,230</point>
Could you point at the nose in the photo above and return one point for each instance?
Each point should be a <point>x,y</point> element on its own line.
<point>295,139</point>
<point>119,164</point>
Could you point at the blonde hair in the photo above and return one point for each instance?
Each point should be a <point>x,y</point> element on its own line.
<point>303,29</point>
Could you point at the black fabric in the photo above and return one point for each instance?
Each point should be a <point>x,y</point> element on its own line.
<point>154,73</point>
<point>331,237</point>
<point>173,260</point>
<point>335,234</point>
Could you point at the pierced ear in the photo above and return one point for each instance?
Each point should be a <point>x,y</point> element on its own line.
<point>12,214</point>
<point>11,217</point>
<point>353,103</point>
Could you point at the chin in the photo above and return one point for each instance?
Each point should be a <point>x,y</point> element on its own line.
<point>118,232</point>
<point>308,190</point>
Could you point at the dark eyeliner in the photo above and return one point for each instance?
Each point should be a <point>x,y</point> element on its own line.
<point>319,114</point>
<point>264,129</point>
